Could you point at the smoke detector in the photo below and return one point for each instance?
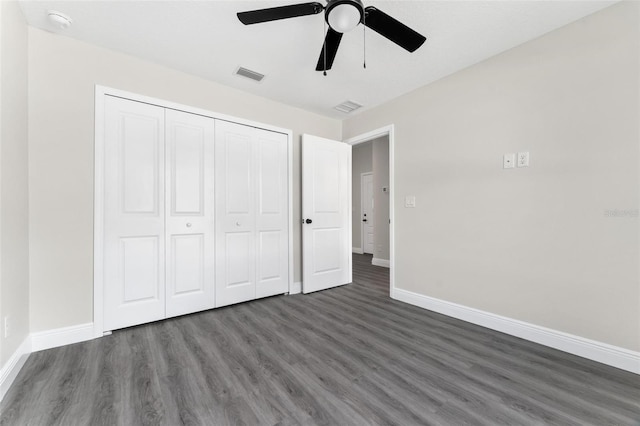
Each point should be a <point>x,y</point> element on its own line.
<point>59,19</point>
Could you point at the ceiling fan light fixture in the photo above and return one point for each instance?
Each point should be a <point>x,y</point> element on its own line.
<point>344,15</point>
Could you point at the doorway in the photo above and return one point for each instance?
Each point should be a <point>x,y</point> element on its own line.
<point>367,219</point>
<point>373,162</point>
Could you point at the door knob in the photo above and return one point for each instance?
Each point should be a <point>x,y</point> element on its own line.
<point>308,221</point>
<point>188,225</point>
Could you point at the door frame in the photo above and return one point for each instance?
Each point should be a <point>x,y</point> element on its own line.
<point>366,137</point>
<point>101,92</point>
<point>362,226</point>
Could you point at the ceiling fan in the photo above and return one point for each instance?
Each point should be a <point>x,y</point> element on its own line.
<point>342,16</point>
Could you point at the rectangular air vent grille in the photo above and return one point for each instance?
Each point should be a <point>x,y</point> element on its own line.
<point>347,106</point>
<point>253,75</point>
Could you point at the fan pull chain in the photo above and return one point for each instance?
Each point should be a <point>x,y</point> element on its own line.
<point>324,48</point>
<point>364,39</point>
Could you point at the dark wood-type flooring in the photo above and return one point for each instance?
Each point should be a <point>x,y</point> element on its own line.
<point>346,356</point>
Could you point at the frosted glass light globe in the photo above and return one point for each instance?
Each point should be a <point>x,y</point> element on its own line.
<point>344,17</point>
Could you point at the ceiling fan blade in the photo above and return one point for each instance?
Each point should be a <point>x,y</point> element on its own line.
<point>281,12</point>
<point>331,43</point>
<point>392,29</point>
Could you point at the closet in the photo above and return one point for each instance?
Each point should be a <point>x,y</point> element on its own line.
<point>195,213</point>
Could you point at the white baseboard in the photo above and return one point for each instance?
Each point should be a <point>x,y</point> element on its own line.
<point>357,250</point>
<point>380,262</point>
<point>11,369</point>
<point>614,356</point>
<point>61,336</point>
<point>296,288</point>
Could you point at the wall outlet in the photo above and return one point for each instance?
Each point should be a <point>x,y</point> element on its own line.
<point>523,159</point>
<point>7,326</point>
<point>509,161</point>
<point>410,201</point>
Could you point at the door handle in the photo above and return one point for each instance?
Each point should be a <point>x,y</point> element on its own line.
<point>364,220</point>
<point>308,221</point>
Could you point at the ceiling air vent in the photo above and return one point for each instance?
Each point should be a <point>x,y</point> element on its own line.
<point>244,72</point>
<point>347,106</point>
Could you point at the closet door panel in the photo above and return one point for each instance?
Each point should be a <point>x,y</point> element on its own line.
<point>238,165</point>
<point>134,246</point>
<point>271,265</point>
<point>140,268</point>
<point>239,259</point>
<point>189,214</point>
<point>235,213</point>
<point>272,275</point>
<point>187,264</point>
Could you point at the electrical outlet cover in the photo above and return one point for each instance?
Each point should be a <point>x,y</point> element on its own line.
<point>523,159</point>
<point>509,161</point>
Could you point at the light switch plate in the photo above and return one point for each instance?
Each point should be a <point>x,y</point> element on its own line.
<point>410,201</point>
<point>509,161</point>
<point>523,159</point>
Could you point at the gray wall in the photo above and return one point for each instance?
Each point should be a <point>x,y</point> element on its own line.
<point>62,75</point>
<point>555,244</point>
<point>14,210</point>
<point>380,198</point>
<point>362,162</point>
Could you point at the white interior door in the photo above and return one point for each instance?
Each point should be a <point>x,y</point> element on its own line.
<point>235,214</point>
<point>272,213</point>
<point>189,213</point>
<point>366,192</point>
<point>134,238</point>
<point>252,252</point>
<point>326,213</point>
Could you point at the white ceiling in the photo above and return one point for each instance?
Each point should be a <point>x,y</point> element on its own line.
<point>205,38</point>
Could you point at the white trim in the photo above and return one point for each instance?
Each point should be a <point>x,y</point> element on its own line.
<point>103,90</point>
<point>357,250</point>
<point>61,336</point>
<point>365,137</point>
<point>381,262</point>
<point>98,234</point>
<point>591,349</point>
<point>12,367</point>
<point>98,213</point>
<point>296,288</point>
<point>350,211</point>
<point>290,201</point>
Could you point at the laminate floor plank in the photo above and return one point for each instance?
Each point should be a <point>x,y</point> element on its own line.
<point>345,356</point>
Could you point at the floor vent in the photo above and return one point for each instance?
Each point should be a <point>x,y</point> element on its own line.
<point>253,75</point>
<point>347,106</point>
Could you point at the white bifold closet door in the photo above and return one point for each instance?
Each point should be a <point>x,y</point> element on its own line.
<point>189,199</point>
<point>158,213</point>
<point>251,181</point>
